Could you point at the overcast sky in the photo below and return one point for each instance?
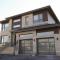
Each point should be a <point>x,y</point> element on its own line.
<point>13,7</point>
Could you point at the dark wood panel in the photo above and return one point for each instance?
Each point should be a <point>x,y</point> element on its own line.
<point>45,16</point>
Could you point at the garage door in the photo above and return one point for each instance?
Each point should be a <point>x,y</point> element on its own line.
<point>25,47</point>
<point>46,46</point>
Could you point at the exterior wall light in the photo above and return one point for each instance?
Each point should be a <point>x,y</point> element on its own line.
<point>57,38</point>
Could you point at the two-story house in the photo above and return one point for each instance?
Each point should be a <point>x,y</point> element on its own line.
<point>35,32</point>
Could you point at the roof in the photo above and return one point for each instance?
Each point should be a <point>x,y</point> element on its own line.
<point>48,8</point>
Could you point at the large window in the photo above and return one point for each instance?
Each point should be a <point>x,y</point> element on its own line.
<point>38,18</point>
<point>5,27</point>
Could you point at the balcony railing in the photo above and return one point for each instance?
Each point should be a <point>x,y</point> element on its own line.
<point>36,23</point>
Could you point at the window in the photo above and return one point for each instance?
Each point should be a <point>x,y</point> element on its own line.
<point>26,20</point>
<point>5,39</point>
<point>16,23</point>
<point>17,20</point>
<point>41,17</point>
<point>38,18</point>
<point>5,26</point>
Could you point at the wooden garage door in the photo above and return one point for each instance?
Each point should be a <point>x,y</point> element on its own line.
<point>46,46</point>
<point>25,47</point>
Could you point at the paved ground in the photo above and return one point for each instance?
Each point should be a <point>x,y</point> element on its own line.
<point>5,57</point>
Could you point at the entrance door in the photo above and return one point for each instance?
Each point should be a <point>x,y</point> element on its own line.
<point>46,46</point>
<point>25,47</point>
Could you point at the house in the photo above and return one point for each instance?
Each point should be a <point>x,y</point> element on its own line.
<point>35,32</point>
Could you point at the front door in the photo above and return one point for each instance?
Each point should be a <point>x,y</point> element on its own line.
<point>46,46</point>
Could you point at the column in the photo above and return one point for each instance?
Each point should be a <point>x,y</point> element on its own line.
<point>34,44</point>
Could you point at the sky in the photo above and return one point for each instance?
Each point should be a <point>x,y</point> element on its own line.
<point>13,7</point>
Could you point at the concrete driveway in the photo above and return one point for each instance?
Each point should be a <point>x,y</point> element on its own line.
<point>11,57</point>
